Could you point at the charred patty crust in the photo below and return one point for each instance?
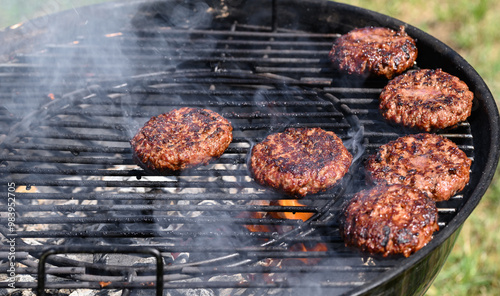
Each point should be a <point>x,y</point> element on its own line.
<point>181,139</point>
<point>395,219</point>
<point>376,50</point>
<point>426,100</point>
<point>428,162</point>
<point>300,161</point>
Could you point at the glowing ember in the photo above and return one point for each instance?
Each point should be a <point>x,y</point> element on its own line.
<point>114,34</point>
<point>104,284</point>
<point>13,27</point>
<point>26,189</point>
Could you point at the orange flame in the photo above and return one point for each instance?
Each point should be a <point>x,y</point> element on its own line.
<point>292,215</point>
<point>256,215</point>
<point>300,247</point>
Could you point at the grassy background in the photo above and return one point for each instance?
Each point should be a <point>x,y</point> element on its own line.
<point>471,27</point>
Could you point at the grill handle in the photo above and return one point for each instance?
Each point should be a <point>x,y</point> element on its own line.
<point>100,249</point>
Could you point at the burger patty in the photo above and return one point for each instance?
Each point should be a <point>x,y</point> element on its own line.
<point>426,100</point>
<point>395,219</point>
<point>300,161</point>
<point>181,139</point>
<point>428,162</point>
<point>380,51</point>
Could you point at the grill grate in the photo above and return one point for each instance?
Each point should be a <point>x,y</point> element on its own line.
<point>69,154</point>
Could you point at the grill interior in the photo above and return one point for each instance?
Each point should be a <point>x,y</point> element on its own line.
<point>80,192</point>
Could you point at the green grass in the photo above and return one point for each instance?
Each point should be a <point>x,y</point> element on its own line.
<point>471,27</point>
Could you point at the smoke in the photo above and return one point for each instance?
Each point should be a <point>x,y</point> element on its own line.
<point>355,142</point>
<point>95,64</point>
<point>190,15</point>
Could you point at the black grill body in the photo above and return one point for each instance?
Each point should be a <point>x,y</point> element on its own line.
<point>74,90</point>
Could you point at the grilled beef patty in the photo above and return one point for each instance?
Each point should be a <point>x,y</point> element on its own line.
<point>380,51</point>
<point>300,161</point>
<point>426,100</point>
<point>428,162</point>
<point>395,219</point>
<point>181,139</point>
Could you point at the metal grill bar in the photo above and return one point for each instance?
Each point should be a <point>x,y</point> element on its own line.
<point>160,196</point>
<point>236,208</point>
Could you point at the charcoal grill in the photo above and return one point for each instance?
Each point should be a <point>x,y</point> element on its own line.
<point>77,85</point>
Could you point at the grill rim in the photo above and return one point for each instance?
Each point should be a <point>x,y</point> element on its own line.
<point>488,104</point>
